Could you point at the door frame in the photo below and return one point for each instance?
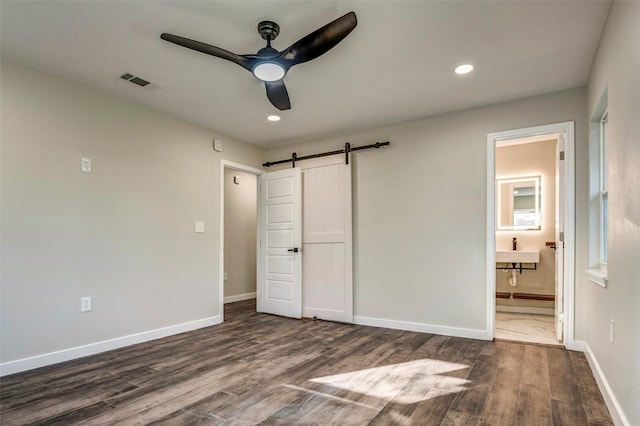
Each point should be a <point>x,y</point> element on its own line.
<point>566,128</point>
<point>224,164</point>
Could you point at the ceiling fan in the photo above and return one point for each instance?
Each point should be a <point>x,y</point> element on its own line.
<point>271,65</point>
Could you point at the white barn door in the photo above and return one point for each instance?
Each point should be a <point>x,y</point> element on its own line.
<point>279,269</point>
<point>327,274</point>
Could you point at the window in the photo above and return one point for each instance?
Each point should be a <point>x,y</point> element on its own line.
<point>604,193</point>
<point>599,190</point>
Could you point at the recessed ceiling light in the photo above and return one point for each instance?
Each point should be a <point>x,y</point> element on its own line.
<point>463,69</point>
<point>273,118</point>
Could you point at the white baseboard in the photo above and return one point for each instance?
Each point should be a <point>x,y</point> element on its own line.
<point>574,345</point>
<point>469,333</point>
<point>525,309</point>
<point>43,360</point>
<point>239,297</point>
<point>618,417</point>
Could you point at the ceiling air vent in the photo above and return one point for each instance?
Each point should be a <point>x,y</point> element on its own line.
<point>137,80</point>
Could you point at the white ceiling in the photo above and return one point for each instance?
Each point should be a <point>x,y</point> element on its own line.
<point>395,66</point>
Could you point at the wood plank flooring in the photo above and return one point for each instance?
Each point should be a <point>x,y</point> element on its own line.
<point>264,369</point>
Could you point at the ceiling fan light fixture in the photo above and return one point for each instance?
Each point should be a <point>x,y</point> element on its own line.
<point>269,71</point>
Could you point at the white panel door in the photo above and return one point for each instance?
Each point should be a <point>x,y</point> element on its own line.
<point>559,237</point>
<point>327,278</point>
<point>279,286</point>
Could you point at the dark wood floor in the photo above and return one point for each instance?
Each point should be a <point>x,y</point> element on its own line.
<point>258,368</point>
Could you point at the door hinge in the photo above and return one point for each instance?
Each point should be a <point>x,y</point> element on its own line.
<point>561,317</point>
<point>562,236</point>
<point>561,155</point>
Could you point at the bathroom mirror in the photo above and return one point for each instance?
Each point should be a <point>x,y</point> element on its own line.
<point>518,204</point>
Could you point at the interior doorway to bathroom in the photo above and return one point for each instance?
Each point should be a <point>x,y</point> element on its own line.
<point>530,288</point>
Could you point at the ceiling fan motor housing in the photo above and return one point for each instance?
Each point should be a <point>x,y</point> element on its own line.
<point>271,69</point>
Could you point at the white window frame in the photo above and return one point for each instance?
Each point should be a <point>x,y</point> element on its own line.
<point>603,193</point>
<point>597,272</point>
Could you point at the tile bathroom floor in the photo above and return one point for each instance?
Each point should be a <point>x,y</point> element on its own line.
<point>531,328</point>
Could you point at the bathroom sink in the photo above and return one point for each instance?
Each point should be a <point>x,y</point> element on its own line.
<point>519,256</point>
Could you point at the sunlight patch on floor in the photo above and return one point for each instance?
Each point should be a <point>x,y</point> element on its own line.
<point>328,396</point>
<point>387,382</point>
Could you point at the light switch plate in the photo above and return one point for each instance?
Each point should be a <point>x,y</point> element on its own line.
<point>86,165</point>
<point>612,326</point>
<point>85,304</point>
<point>199,227</point>
<point>218,145</point>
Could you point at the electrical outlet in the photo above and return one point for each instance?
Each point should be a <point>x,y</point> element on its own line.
<point>199,227</point>
<point>85,304</point>
<point>612,326</point>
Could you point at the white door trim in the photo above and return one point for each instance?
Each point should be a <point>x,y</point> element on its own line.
<point>224,164</point>
<point>566,128</point>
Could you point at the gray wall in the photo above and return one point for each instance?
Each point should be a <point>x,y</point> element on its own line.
<point>420,210</point>
<point>617,69</point>
<point>123,234</point>
<point>240,210</point>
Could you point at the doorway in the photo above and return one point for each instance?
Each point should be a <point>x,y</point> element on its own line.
<point>530,207</point>
<point>238,233</point>
<point>325,239</point>
<point>526,207</point>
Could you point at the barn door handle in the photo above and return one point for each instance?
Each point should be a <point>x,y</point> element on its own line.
<point>295,250</point>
